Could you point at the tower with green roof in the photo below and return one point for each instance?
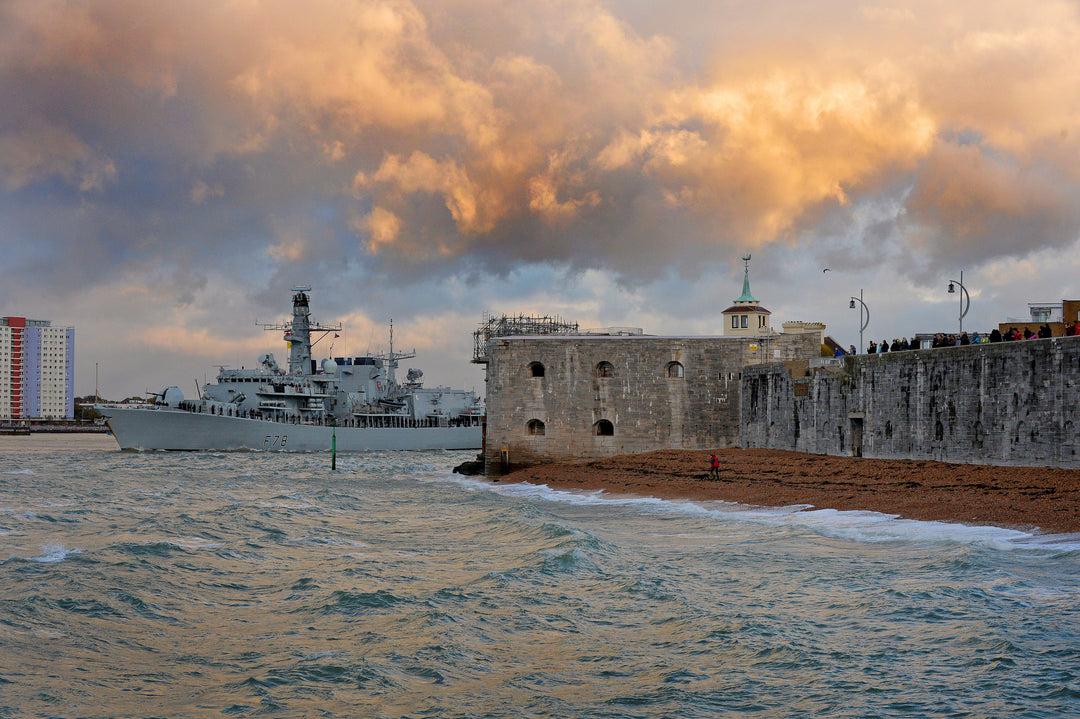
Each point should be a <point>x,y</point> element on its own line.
<point>746,317</point>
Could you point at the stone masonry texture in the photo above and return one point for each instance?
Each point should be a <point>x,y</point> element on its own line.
<point>1009,403</point>
<point>648,404</point>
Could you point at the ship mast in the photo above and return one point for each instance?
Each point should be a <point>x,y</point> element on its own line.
<point>298,331</point>
<point>392,357</point>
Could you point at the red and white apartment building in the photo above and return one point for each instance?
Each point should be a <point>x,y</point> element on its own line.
<point>37,370</point>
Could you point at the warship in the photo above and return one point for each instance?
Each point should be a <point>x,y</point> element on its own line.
<point>350,404</point>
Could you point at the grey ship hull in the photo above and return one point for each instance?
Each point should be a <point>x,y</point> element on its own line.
<point>169,429</point>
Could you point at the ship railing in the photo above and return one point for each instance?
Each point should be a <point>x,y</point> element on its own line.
<point>377,420</point>
<point>224,409</point>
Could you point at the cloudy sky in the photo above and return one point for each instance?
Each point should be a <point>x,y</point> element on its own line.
<point>169,170</point>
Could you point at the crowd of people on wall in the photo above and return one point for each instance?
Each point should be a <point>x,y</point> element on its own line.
<point>942,339</point>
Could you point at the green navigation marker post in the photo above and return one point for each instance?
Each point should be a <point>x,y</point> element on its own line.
<point>333,446</point>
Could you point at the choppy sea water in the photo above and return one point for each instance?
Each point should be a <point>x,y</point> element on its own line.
<point>249,585</point>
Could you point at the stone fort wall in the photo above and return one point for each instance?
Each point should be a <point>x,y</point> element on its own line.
<point>1012,403</point>
<point>630,386</point>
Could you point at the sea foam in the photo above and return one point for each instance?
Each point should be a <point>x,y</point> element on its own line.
<point>53,553</point>
<point>850,525</point>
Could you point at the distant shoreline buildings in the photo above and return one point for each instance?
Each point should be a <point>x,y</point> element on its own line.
<point>37,370</point>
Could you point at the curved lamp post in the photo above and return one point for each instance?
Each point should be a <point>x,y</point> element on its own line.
<point>965,299</point>
<point>862,323</point>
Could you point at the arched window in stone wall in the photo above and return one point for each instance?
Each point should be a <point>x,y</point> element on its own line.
<point>675,370</point>
<point>605,369</point>
<point>1021,429</point>
<point>536,369</point>
<point>536,428</point>
<point>604,428</point>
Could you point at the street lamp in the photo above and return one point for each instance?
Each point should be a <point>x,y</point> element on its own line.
<point>965,299</point>
<point>862,323</point>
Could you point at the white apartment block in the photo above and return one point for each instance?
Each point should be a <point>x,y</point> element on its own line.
<point>37,370</point>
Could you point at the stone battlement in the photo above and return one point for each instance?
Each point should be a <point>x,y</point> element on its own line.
<point>1009,403</point>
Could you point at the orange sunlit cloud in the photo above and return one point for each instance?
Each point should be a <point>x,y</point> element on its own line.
<point>543,116</point>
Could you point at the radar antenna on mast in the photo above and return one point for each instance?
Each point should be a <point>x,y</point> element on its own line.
<point>298,331</point>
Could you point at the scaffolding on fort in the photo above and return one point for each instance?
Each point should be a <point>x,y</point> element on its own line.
<point>515,325</point>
